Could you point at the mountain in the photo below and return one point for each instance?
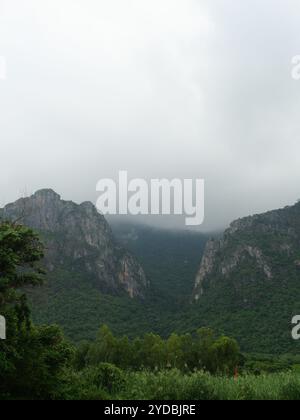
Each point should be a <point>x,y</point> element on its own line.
<point>92,276</point>
<point>79,241</point>
<point>170,258</point>
<point>250,279</point>
<point>247,286</point>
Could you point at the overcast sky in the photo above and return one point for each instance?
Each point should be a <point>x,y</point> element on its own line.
<point>161,88</point>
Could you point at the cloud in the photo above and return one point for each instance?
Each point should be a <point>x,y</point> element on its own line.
<point>173,88</point>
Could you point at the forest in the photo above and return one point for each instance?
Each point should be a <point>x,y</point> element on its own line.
<point>39,363</point>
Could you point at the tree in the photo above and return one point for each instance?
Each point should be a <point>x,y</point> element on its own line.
<point>123,353</point>
<point>227,355</point>
<point>103,350</point>
<point>175,355</point>
<point>81,355</point>
<point>152,351</point>
<point>31,359</point>
<point>20,254</point>
<point>204,350</point>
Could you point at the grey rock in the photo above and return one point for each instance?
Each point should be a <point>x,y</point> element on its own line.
<point>78,238</point>
<point>258,243</point>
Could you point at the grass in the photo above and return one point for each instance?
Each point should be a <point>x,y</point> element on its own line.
<point>107,382</point>
<point>200,386</point>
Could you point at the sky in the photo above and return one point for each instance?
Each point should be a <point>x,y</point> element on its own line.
<point>160,88</point>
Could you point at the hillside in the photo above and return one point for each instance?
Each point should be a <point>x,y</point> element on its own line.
<point>89,273</point>
<point>247,286</point>
<point>170,258</point>
<point>79,240</point>
<point>94,273</point>
<point>170,261</point>
<point>250,280</point>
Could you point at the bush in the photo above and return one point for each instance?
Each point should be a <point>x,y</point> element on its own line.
<point>108,377</point>
<point>290,391</point>
<point>198,387</point>
<point>246,392</point>
<point>169,385</point>
<point>81,386</point>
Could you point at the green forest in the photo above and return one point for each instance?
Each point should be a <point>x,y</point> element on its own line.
<point>38,362</point>
<point>171,260</point>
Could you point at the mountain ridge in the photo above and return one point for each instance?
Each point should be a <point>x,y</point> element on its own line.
<point>249,280</point>
<point>243,237</point>
<point>78,237</point>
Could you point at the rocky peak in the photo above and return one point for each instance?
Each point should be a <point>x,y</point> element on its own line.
<point>47,194</point>
<point>78,237</point>
<point>259,248</point>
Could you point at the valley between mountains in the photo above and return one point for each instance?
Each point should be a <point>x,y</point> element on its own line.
<point>136,279</point>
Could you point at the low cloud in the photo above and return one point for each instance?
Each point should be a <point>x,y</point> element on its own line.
<point>170,89</point>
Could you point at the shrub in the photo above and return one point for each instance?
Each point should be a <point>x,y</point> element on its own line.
<point>169,385</point>
<point>108,377</point>
<point>290,391</point>
<point>79,386</point>
<point>199,387</point>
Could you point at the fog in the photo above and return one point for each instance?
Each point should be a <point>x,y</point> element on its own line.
<point>160,88</point>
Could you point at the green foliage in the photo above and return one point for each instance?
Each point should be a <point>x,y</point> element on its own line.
<point>226,354</point>
<point>290,391</point>
<point>79,385</point>
<point>172,384</point>
<point>37,362</point>
<point>20,253</point>
<point>185,353</point>
<point>35,358</point>
<point>31,359</point>
<point>170,260</point>
<point>246,307</point>
<point>108,377</point>
<point>168,385</point>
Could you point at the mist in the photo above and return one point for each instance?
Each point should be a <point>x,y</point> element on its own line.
<point>161,89</point>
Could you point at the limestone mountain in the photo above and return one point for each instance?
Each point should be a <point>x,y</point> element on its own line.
<point>252,276</point>
<point>79,240</point>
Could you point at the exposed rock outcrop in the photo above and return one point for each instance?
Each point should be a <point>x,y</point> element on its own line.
<point>79,239</point>
<point>262,248</point>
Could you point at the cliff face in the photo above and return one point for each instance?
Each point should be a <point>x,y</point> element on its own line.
<point>255,254</point>
<point>79,239</point>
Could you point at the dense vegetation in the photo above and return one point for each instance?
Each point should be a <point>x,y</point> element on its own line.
<point>257,314</point>
<point>109,382</point>
<point>253,288</point>
<point>186,353</point>
<point>171,260</point>
<point>38,362</point>
<point>31,359</point>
